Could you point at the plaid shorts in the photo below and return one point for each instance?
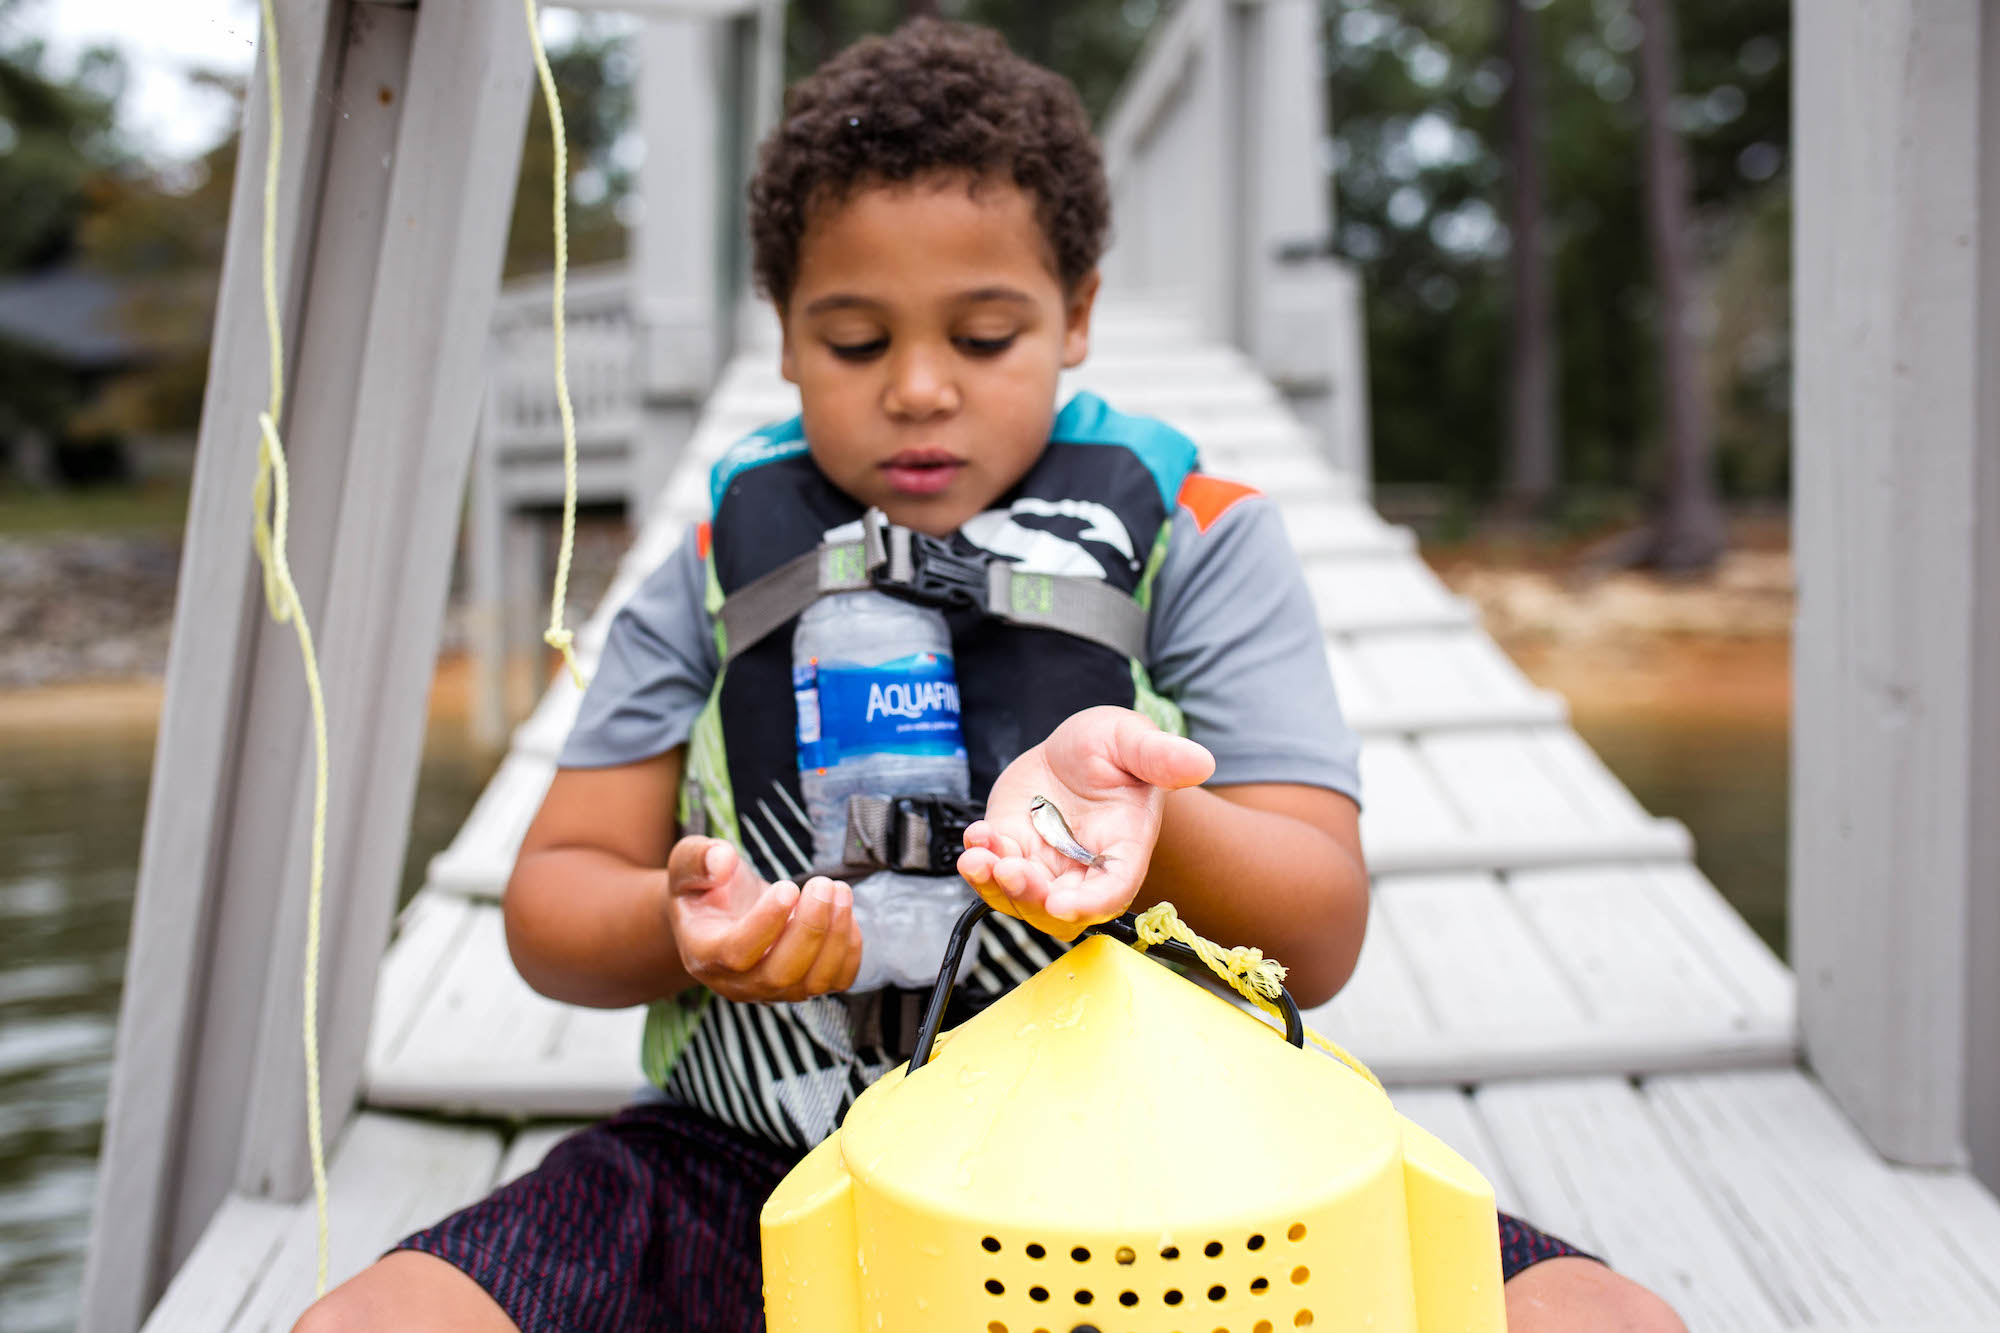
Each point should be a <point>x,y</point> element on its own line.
<point>649,1221</point>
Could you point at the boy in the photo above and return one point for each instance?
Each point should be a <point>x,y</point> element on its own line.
<point>927,221</point>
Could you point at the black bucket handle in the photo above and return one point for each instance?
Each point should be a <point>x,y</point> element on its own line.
<point>1123,928</point>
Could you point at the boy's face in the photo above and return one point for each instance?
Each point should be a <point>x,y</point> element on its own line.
<point>925,331</point>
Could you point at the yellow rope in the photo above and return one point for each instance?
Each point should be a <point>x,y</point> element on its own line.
<point>282,597</point>
<point>1256,978</point>
<point>558,636</point>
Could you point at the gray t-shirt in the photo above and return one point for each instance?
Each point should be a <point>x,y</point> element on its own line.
<point>1233,639</point>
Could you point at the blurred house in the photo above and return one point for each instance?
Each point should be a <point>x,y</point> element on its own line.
<point>61,341</point>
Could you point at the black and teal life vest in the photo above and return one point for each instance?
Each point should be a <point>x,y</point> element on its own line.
<point>1045,595</point>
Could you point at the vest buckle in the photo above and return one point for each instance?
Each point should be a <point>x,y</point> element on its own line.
<point>922,568</point>
<point>928,832</point>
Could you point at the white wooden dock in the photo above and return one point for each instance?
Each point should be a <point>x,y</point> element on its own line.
<point>1549,983</point>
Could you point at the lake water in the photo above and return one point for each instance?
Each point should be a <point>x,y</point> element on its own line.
<point>72,805</point>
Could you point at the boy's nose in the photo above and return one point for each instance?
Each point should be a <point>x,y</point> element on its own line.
<point>920,387</point>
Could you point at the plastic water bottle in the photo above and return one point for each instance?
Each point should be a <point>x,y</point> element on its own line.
<point>878,709</point>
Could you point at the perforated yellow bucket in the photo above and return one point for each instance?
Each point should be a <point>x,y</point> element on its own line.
<point>1112,1148</point>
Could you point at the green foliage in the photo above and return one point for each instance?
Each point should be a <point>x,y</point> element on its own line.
<point>1415,93</point>
<point>55,137</point>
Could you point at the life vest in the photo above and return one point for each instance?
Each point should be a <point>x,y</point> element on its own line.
<point>1045,595</point>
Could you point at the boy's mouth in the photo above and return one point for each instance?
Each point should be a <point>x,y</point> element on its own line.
<point>921,471</point>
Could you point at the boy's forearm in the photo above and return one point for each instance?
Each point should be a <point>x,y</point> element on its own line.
<point>588,927</point>
<point>1244,873</point>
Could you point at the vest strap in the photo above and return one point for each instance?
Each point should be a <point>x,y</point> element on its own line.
<point>918,835</point>
<point>907,563</point>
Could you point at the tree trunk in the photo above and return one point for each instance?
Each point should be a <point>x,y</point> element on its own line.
<point>1530,477</point>
<point>1688,532</point>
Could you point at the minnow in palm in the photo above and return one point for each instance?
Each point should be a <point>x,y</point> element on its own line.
<point>1048,822</point>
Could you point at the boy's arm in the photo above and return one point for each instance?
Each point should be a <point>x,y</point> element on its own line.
<point>586,907</point>
<point>606,909</point>
<point>1275,865</point>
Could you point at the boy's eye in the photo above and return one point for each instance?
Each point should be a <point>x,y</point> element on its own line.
<point>986,346</point>
<point>874,347</point>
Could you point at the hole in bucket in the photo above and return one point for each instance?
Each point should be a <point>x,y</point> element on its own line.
<point>1217,1292</point>
<point>1298,1231</point>
<point>1125,1255</point>
<point>1254,1243</point>
<point>1262,1326</point>
<point>1212,1249</point>
<point>996,1327</point>
<point>991,1245</point>
<point>994,1285</point>
<point>1128,1298</point>
<point>1303,1319</point>
<point>1260,1285</point>
<point>1083,1297</point>
<point>1300,1274</point>
<point>1171,1252</point>
<point>1080,1254</point>
<point>1038,1293</point>
<point>1172,1298</point>
<point>1035,1251</point>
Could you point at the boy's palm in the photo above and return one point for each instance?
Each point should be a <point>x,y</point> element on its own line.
<point>1108,771</point>
<point>748,940</point>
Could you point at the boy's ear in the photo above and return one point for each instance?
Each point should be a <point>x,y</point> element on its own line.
<point>1076,320</point>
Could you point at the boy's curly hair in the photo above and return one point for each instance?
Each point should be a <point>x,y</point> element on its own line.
<point>933,96</point>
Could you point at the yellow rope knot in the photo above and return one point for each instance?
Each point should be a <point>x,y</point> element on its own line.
<point>563,640</point>
<point>1256,978</point>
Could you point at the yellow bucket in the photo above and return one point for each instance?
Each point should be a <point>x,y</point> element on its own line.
<point>1114,1149</point>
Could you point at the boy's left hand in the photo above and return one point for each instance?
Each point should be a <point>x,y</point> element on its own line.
<point>1108,771</point>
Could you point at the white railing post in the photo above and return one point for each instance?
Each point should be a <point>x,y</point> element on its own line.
<point>403,126</point>
<point>1895,874</point>
<point>1221,203</point>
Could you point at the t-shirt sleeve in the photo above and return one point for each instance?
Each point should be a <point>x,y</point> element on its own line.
<point>1234,639</point>
<point>658,665</point>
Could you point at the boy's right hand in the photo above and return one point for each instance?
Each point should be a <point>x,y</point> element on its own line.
<point>751,941</point>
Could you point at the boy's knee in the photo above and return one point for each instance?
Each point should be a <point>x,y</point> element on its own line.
<point>335,1312</point>
<point>1558,1295</point>
<point>406,1291</point>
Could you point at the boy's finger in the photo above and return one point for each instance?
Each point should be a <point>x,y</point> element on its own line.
<point>797,945</point>
<point>743,945</point>
<point>1158,757</point>
<point>986,835</point>
<point>976,864</point>
<point>698,863</point>
<point>855,945</point>
<point>838,958</point>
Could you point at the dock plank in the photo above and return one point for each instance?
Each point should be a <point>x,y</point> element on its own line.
<point>1811,1205</point>
<point>1594,1168</point>
<point>389,1176</point>
<point>1386,593</point>
<point>481,857</point>
<point>484,1043</point>
<point>1456,984</point>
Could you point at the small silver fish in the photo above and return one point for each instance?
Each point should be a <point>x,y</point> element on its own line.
<point>1048,822</point>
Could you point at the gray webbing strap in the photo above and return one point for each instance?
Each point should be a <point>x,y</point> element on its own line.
<point>871,826</point>
<point>1084,607</point>
<point>756,609</point>
<point>1087,608</point>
